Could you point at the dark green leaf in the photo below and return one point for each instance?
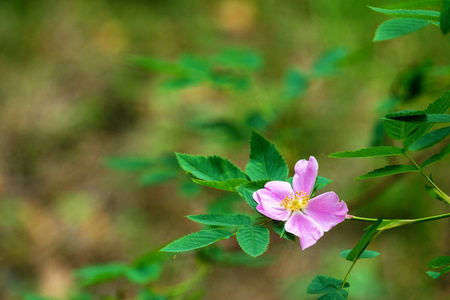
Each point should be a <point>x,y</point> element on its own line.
<point>422,118</point>
<point>405,114</point>
<point>246,191</point>
<point>445,17</point>
<point>434,193</point>
<point>430,139</point>
<point>227,185</point>
<point>395,28</point>
<point>398,130</point>
<point>337,294</point>
<point>364,241</point>
<point>197,240</point>
<point>221,219</point>
<point>123,163</point>
<point>210,168</point>
<point>321,182</point>
<point>100,273</point>
<point>278,227</point>
<point>370,152</point>
<point>253,239</point>
<point>365,254</point>
<point>389,170</point>
<point>295,84</point>
<point>424,14</point>
<point>266,161</point>
<point>323,284</point>
<point>439,262</point>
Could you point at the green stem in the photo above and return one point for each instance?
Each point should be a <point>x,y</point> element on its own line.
<point>443,195</point>
<point>399,222</point>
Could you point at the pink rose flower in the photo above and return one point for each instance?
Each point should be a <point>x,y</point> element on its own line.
<point>306,217</point>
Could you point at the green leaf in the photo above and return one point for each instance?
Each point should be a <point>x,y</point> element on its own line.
<point>210,168</point>
<point>405,114</point>
<point>370,152</point>
<point>221,219</point>
<point>227,185</point>
<point>434,193</point>
<point>329,63</point>
<point>123,163</point>
<point>323,284</point>
<point>295,84</point>
<point>197,240</point>
<point>35,297</point>
<point>253,239</point>
<point>389,170</point>
<point>445,17</point>
<point>439,106</point>
<point>424,14</point>
<point>395,28</point>
<point>439,262</point>
<point>437,157</point>
<point>434,275</point>
<point>143,274</point>
<point>155,177</point>
<point>421,118</point>
<point>145,294</point>
<point>365,254</point>
<point>239,59</point>
<point>398,130</point>
<point>321,182</point>
<point>100,273</point>
<point>364,241</point>
<point>278,227</point>
<point>246,191</point>
<point>430,139</point>
<point>265,161</point>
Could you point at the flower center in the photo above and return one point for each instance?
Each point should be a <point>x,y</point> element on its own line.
<point>295,202</point>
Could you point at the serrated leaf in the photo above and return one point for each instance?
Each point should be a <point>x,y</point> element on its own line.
<point>338,294</point>
<point>398,130</point>
<point>370,152</point>
<point>100,273</point>
<point>221,219</point>
<point>430,139</point>
<point>197,240</point>
<point>405,114</point>
<point>295,84</point>
<point>445,17</point>
<point>424,14</point>
<point>364,241</point>
<point>439,262</point>
<point>395,28</point>
<point>389,170</point>
<point>227,185</point>
<point>437,157</point>
<point>323,284</point>
<point>278,227</point>
<point>123,163</point>
<point>210,168</point>
<point>253,239</point>
<point>246,191</point>
<point>365,254</point>
<point>266,162</point>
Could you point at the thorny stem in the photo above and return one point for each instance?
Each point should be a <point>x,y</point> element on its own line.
<point>443,195</point>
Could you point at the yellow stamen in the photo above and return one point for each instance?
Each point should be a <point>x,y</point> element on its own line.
<point>295,202</point>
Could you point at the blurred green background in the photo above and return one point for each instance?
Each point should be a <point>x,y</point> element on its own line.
<point>86,83</point>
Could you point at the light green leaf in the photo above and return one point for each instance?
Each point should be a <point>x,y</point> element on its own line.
<point>155,177</point>
<point>227,185</point>
<point>197,240</point>
<point>365,254</point>
<point>123,163</point>
<point>445,17</point>
<point>430,139</point>
<point>295,84</point>
<point>389,170</point>
<point>100,273</point>
<point>210,168</point>
<point>323,284</point>
<point>221,219</point>
<point>246,191</point>
<point>395,28</point>
<point>239,59</point>
<point>434,275</point>
<point>439,262</point>
<point>364,241</point>
<point>424,14</point>
<point>143,274</point>
<point>370,152</point>
<point>266,162</point>
<point>253,239</point>
<point>437,157</point>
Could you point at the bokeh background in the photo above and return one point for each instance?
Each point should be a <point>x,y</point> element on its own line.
<point>96,96</point>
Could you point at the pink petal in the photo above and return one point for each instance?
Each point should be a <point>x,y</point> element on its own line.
<point>280,189</point>
<point>326,210</point>
<point>305,228</point>
<point>305,175</point>
<point>269,205</point>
